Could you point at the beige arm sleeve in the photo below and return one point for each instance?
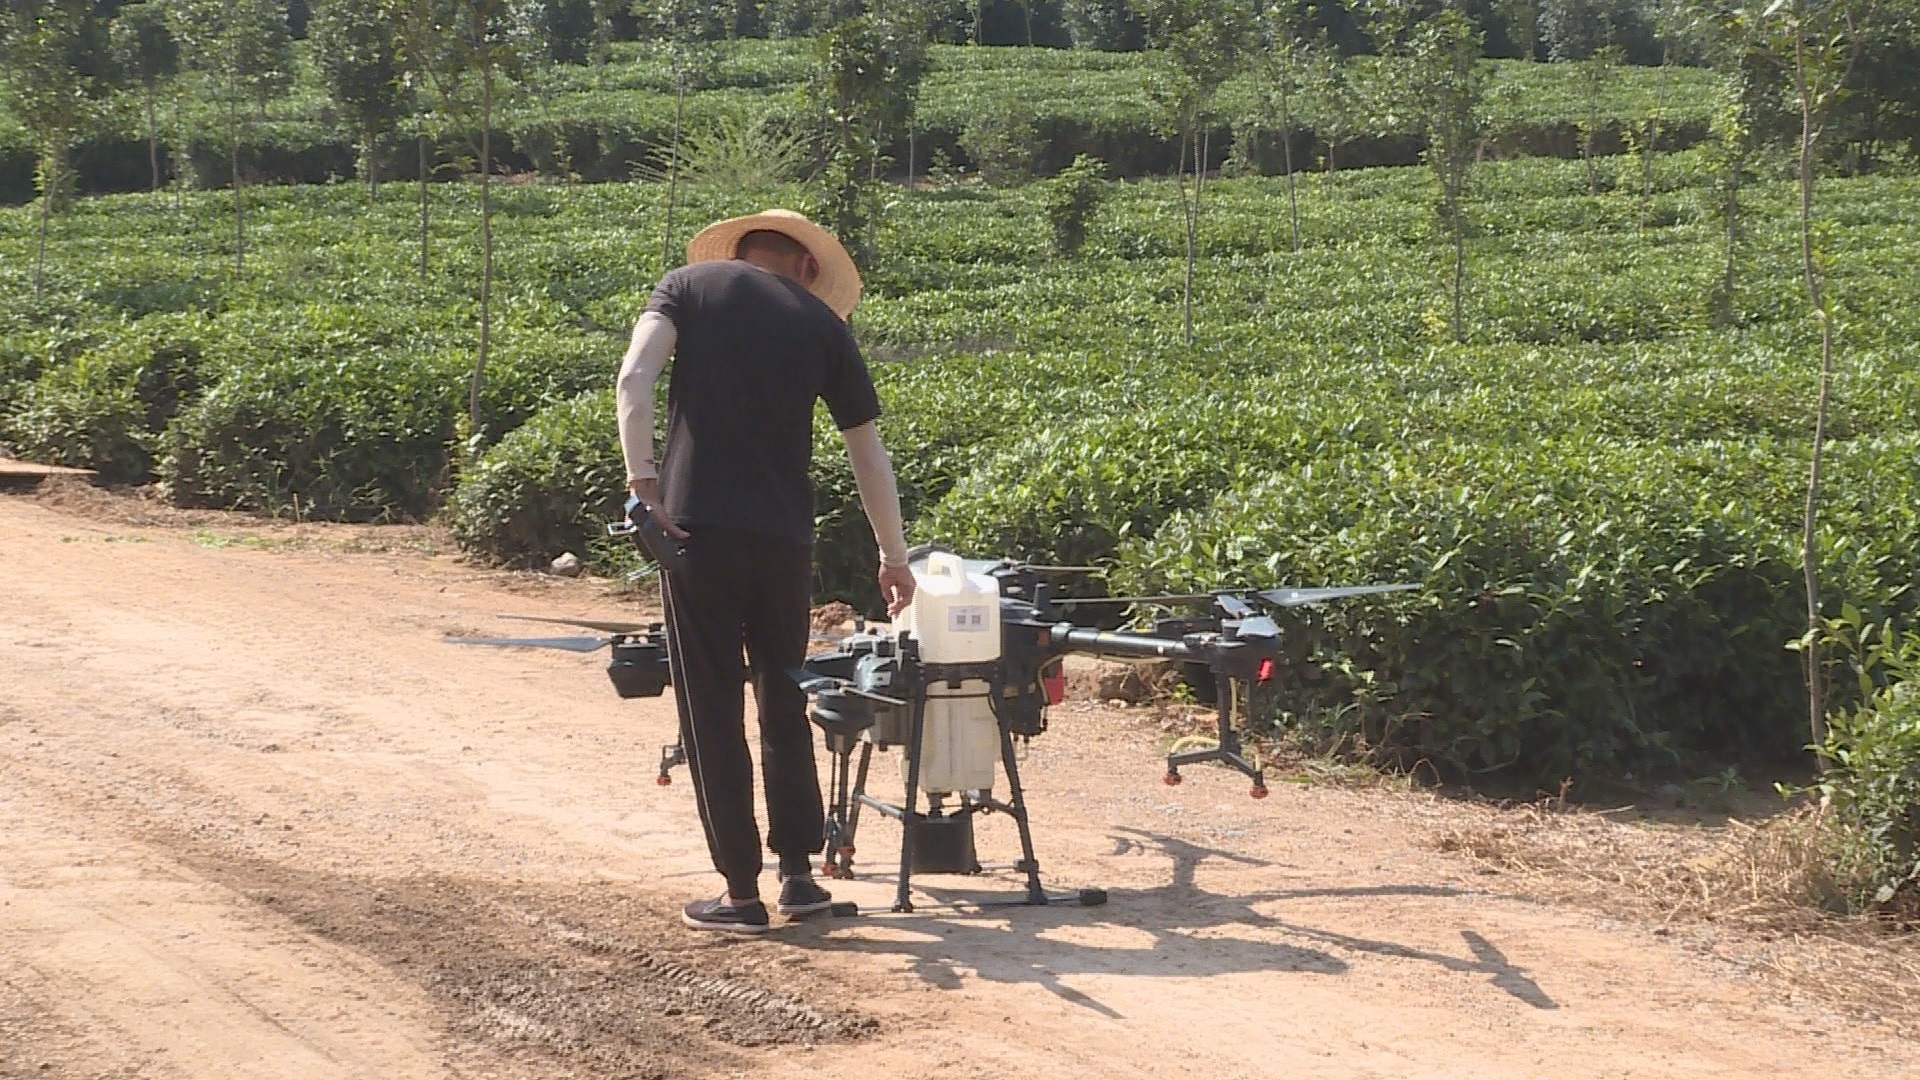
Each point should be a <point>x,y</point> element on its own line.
<point>873,473</point>
<point>647,355</point>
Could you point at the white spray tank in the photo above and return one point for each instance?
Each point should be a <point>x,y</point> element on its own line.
<point>955,618</point>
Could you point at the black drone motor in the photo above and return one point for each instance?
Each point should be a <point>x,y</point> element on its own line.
<point>639,666</point>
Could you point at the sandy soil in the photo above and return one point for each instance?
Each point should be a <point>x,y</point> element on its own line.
<point>258,820</point>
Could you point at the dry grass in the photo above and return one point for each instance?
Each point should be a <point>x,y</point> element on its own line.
<point>1760,887</point>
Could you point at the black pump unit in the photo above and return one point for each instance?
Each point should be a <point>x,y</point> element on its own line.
<point>942,844</point>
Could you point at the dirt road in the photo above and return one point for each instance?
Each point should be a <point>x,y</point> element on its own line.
<point>257,820</point>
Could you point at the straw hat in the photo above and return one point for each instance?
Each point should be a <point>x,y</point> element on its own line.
<point>839,280</point>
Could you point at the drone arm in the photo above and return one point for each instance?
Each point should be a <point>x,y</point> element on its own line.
<point>647,355</point>
<point>1068,638</point>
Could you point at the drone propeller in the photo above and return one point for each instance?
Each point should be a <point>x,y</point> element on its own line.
<point>603,625</point>
<point>570,644</point>
<point>1171,598</point>
<point>1297,597</point>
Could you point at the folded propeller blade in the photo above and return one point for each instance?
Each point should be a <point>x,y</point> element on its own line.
<point>810,683</point>
<point>1298,597</point>
<point>1260,626</point>
<point>1235,607</point>
<point>603,625</point>
<point>570,644</point>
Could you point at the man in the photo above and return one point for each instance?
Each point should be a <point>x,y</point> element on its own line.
<point>757,324</point>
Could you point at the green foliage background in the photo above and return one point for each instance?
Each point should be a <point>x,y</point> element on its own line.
<point>1599,488</point>
<point>604,121</point>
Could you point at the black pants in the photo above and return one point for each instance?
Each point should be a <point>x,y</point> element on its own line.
<point>740,589</point>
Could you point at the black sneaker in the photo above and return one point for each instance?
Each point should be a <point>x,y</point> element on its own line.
<point>801,896</point>
<point>720,915</point>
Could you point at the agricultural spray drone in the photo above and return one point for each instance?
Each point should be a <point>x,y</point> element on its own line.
<point>967,671</point>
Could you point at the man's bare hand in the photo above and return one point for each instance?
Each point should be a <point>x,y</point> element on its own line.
<point>650,497</point>
<point>896,588</point>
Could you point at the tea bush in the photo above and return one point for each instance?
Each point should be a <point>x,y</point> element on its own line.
<point>603,122</point>
<point>106,407</point>
<point>548,487</point>
<point>1589,605</point>
<point>1071,199</point>
<point>358,439</point>
<point>1873,785</point>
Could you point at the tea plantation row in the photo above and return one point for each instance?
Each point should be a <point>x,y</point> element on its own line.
<point>1600,490</point>
<point>603,122</point>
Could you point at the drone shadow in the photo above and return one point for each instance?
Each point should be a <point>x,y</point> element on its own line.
<point>1487,958</point>
<point>1170,930</point>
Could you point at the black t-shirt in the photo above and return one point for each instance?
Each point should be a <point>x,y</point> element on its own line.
<point>753,352</point>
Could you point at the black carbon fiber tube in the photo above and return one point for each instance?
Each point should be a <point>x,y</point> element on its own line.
<point>1068,638</point>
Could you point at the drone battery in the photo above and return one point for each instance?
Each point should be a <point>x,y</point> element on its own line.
<point>943,844</point>
<point>638,669</point>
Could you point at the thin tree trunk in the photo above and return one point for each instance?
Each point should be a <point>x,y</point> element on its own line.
<point>486,248</point>
<point>1732,210</point>
<point>422,141</point>
<point>1870,139</point>
<point>1187,211</point>
<point>181,153</point>
<point>49,178</point>
<point>153,139</point>
<point>909,155</point>
<point>239,211</point>
<point>1286,152</point>
<point>1816,688</point>
<point>373,167</point>
<point>1653,126</point>
<point>1586,156</point>
<point>1459,269</point>
<point>673,175</point>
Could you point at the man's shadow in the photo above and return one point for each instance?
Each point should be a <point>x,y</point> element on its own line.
<point>1166,930</point>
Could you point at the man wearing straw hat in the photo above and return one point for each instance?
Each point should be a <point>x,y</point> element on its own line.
<point>756,324</point>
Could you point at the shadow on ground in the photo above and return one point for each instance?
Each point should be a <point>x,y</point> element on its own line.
<point>1175,930</point>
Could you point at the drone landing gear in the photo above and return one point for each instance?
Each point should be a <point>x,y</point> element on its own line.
<point>671,755</point>
<point>939,840</point>
<point>1226,750</point>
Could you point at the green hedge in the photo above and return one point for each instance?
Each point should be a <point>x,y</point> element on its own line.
<point>106,407</point>
<point>548,487</point>
<point>1873,783</point>
<point>1589,606</point>
<point>356,425</point>
<point>601,123</point>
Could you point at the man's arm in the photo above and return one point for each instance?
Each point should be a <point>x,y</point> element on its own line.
<point>873,474</point>
<point>647,355</point>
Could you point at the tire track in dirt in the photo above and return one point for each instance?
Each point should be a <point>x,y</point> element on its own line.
<point>559,979</point>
